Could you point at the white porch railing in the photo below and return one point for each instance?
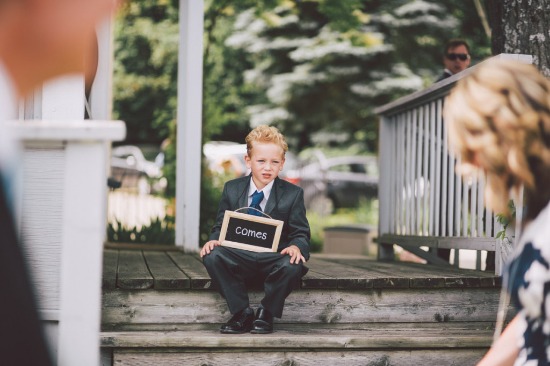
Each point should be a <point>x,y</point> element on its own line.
<point>423,202</point>
<point>61,215</point>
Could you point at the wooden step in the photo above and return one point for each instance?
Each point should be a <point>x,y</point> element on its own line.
<point>458,343</point>
<point>165,290</point>
<point>141,309</point>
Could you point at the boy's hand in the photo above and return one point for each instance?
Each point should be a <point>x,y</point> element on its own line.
<point>209,246</point>
<point>295,254</point>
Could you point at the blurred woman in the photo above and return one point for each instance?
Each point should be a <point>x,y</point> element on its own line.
<point>499,123</point>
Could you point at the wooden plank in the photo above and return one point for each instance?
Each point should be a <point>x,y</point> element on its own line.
<point>192,266</point>
<point>317,280</point>
<point>421,275</point>
<point>166,274</point>
<point>133,273</point>
<point>110,263</point>
<point>308,306</point>
<point>140,246</point>
<point>347,277</point>
<point>461,327</point>
<point>453,357</point>
<point>383,274</point>
<point>309,336</point>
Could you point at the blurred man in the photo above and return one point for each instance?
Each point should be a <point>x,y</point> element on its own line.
<point>39,40</point>
<point>456,58</point>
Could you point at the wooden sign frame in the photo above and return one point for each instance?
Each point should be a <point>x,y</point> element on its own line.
<point>278,224</point>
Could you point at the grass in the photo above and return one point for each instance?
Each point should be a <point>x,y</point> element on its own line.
<point>365,213</point>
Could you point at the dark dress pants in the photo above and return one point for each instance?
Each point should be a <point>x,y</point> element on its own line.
<point>233,270</point>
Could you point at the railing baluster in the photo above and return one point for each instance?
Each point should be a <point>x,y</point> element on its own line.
<point>425,167</point>
<point>473,208</point>
<point>400,156</point>
<point>465,204</point>
<point>438,171</point>
<point>414,172</point>
<point>458,201</point>
<point>445,163</point>
<point>433,182</point>
<point>451,177</point>
<point>394,149</point>
<point>408,172</point>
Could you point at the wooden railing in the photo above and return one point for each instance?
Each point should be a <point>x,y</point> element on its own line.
<point>423,201</point>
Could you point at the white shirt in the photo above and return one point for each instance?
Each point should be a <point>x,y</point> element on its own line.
<point>266,190</point>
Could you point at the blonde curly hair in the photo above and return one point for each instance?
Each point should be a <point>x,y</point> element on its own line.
<point>499,122</point>
<point>264,133</point>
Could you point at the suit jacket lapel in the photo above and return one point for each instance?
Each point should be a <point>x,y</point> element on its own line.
<point>274,196</point>
<point>242,190</point>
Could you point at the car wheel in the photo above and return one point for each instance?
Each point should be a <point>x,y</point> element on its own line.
<point>321,205</point>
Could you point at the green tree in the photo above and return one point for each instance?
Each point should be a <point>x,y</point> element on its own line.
<point>145,69</point>
<point>323,67</point>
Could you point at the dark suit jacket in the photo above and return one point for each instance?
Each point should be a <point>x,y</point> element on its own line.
<point>285,203</point>
<point>21,339</point>
<point>446,74</point>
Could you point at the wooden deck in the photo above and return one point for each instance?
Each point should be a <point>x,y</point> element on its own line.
<point>160,308</point>
<point>174,270</point>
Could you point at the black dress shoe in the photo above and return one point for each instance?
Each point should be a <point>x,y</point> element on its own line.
<point>239,323</point>
<point>263,323</point>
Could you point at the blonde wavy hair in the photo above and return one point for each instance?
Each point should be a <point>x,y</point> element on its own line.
<point>265,133</point>
<point>499,122</point>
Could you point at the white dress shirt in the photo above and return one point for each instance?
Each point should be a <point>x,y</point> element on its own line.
<point>266,190</point>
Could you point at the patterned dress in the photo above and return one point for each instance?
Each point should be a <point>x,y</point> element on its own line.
<point>528,281</point>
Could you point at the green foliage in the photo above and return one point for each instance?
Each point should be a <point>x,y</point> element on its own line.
<point>307,66</point>
<point>324,65</point>
<point>157,232</point>
<point>210,198</point>
<point>145,69</point>
<point>506,219</point>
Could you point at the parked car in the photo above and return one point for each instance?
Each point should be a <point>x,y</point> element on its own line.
<point>338,182</point>
<point>227,158</point>
<point>130,168</point>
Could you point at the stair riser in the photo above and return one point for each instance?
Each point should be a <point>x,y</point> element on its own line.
<point>305,306</point>
<point>434,357</point>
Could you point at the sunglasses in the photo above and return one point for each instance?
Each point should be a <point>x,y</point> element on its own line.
<point>460,56</point>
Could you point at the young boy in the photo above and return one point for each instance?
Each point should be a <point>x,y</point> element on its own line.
<point>233,269</point>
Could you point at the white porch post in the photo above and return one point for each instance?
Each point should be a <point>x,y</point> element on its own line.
<point>189,119</point>
<point>101,99</point>
<point>68,262</point>
<point>63,98</point>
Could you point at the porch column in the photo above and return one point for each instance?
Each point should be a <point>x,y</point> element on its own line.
<point>189,122</point>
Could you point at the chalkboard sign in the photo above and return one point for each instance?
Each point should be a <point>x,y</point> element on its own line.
<point>248,232</point>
